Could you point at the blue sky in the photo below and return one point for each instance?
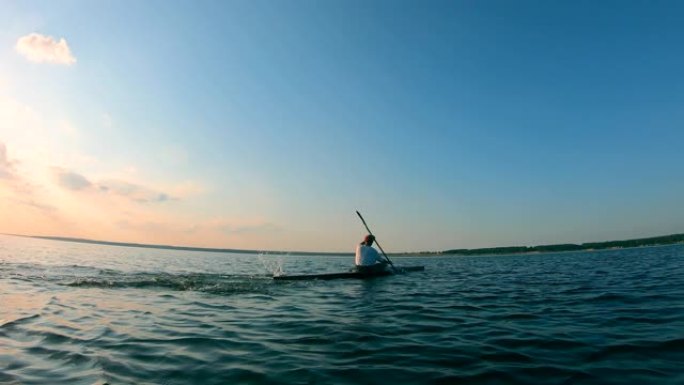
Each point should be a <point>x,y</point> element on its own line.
<point>265,124</point>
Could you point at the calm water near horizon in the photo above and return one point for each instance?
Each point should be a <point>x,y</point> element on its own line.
<point>87,314</point>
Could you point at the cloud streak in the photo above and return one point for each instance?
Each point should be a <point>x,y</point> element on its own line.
<point>74,181</point>
<point>71,180</point>
<point>7,169</point>
<point>133,191</point>
<point>42,207</point>
<point>45,49</point>
<point>18,190</point>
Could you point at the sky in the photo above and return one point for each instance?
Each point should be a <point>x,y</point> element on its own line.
<point>264,125</point>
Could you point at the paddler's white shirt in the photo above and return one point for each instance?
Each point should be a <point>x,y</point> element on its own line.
<point>367,256</point>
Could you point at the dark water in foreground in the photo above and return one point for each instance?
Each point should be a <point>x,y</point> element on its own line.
<point>88,314</point>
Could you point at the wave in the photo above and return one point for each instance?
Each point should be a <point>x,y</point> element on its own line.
<point>15,321</point>
<point>79,276</point>
<point>643,348</point>
<point>208,283</point>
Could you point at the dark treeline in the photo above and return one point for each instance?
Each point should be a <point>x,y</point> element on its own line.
<point>653,241</point>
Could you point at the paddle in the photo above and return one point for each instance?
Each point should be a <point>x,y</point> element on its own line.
<point>376,242</point>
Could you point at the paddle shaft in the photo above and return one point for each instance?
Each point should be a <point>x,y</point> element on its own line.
<point>376,241</point>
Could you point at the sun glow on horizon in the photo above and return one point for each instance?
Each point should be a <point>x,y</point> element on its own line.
<point>42,191</point>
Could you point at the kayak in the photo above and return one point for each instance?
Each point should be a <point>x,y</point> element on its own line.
<point>348,274</point>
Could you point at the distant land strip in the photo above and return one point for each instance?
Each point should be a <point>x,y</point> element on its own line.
<point>169,247</point>
<point>652,241</point>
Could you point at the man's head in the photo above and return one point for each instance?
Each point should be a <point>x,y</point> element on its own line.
<point>368,240</point>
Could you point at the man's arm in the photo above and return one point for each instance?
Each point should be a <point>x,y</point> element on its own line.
<point>379,258</point>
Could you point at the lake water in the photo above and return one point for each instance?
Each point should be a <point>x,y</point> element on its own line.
<point>90,314</point>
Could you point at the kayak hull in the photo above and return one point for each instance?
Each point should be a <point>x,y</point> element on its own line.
<point>347,275</point>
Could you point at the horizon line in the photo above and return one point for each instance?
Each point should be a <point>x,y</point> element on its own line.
<point>326,253</point>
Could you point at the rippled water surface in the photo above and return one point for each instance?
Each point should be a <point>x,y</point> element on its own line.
<point>89,314</point>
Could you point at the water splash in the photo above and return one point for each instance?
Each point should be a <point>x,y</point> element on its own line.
<point>273,266</point>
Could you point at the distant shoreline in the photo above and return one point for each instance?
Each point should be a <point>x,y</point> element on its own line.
<point>590,246</point>
<point>171,247</point>
<point>511,250</point>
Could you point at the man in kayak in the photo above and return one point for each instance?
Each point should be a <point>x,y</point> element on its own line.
<point>368,260</point>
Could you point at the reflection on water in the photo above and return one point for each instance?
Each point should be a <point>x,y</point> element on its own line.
<point>15,306</point>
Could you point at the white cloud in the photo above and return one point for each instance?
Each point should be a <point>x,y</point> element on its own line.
<point>45,49</point>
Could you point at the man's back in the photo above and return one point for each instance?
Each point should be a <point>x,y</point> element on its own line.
<point>366,255</point>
